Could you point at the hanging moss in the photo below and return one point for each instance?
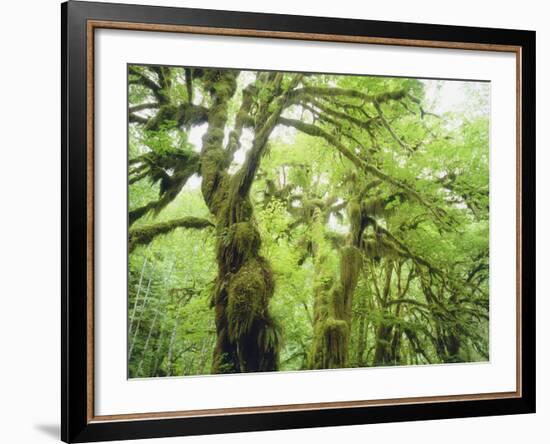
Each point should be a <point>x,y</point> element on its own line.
<point>374,206</point>
<point>338,305</point>
<point>144,235</point>
<point>248,293</point>
<point>336,334</point>
<point>354,215</point>
<point>213,179</point>
<point>239,242</point>
<point>350,266</point>
<point>269,344</point>
<point>371,249</point>
<point>332,310</point>
<point>245,301</point>
<point>166,113</point>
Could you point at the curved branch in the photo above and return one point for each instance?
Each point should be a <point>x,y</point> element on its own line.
<point>134,118</point>
<point>185,114</point>
<point>145,235</point>
<point>419,260</point>
<point>323,91</point>
<point>342,115</point>
<point>143,106</point>
<point>388,127</point>
<point>143,80</point>
<point>315,131</point>
<point>272,117</point>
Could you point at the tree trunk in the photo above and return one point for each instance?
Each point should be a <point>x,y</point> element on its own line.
<point>333,303</point>
<point>247,337</point>
<point>361,332</point>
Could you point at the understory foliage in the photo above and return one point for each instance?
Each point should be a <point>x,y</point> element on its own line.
<point>287,221</point>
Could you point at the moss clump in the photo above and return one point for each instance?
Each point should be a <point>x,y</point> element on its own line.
<point>350,266</point>
<point>330,344</point>
<point>338,307</point>
<point>375,206</point>
<point>164,114</point>
<point>374,249</point>
<point>247,298</point>
<point>213,137</point>
<point>354,215</point>
<point>213,179</point>
<point>238,243</point>
<point>245,239</point>
<point>223,364</point>
<point>145,235</point>
<point>269,343</point>
<point>335,335</point>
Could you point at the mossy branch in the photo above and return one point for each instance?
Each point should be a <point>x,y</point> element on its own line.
<point>322,91</point>
<point>142,79</point>
<point>134,118</point>
<point>405,250</point>
<point>145,235</point>
<point>185,114</point>
<point>390,130</point>
<point>316,131</point>
<point>341,115</point>
<point>143,106</point>
<point>271,118</point>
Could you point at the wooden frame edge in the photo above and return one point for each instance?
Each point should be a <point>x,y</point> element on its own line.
<point>236,32</point>
<point>285,408</point>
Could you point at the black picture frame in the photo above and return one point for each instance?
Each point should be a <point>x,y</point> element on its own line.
<point>76,423</point>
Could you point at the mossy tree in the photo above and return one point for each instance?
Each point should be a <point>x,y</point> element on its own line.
<point>380,179</point>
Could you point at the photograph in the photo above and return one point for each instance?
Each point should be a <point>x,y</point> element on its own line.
<point>302,221</point>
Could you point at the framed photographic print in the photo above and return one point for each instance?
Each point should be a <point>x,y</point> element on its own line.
<point>276,221</point>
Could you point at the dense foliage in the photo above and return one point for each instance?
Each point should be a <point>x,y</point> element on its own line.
<point>283,221</point>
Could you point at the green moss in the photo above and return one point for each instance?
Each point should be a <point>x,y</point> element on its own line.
<point>237,244</point>
<point>213,178</point>
<point>245,239</point>
<point>213,137</point>
<point>374,206</point>
<point>165,114</point>
<point>356,216</point>
<point>338,305</point>
<point>270,339</point>
<point>372,249</point>
<point>335,335</point>
<point>247,297</point>
<point>330,344</point>
<point>145,235</point>
<point>350,266</point>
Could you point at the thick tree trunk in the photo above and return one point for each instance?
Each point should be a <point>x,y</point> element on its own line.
<point>247,337</point>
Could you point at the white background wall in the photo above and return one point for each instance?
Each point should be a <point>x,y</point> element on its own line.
<point>30,208</point>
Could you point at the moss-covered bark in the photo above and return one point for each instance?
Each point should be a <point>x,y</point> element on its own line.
<point>145,235</point>
<point>247,336</point>
<point>333,302</point>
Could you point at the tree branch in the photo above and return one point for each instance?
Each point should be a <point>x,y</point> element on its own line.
<point>143,106</point>
<point>315,131</point>
<point>145,235</point>
<point>386,125</point>
<point>322,91</point>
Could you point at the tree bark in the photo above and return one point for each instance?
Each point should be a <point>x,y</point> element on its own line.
<point>247,336</point>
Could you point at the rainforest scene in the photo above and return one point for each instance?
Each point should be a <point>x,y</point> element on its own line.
<point>286,221</point>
